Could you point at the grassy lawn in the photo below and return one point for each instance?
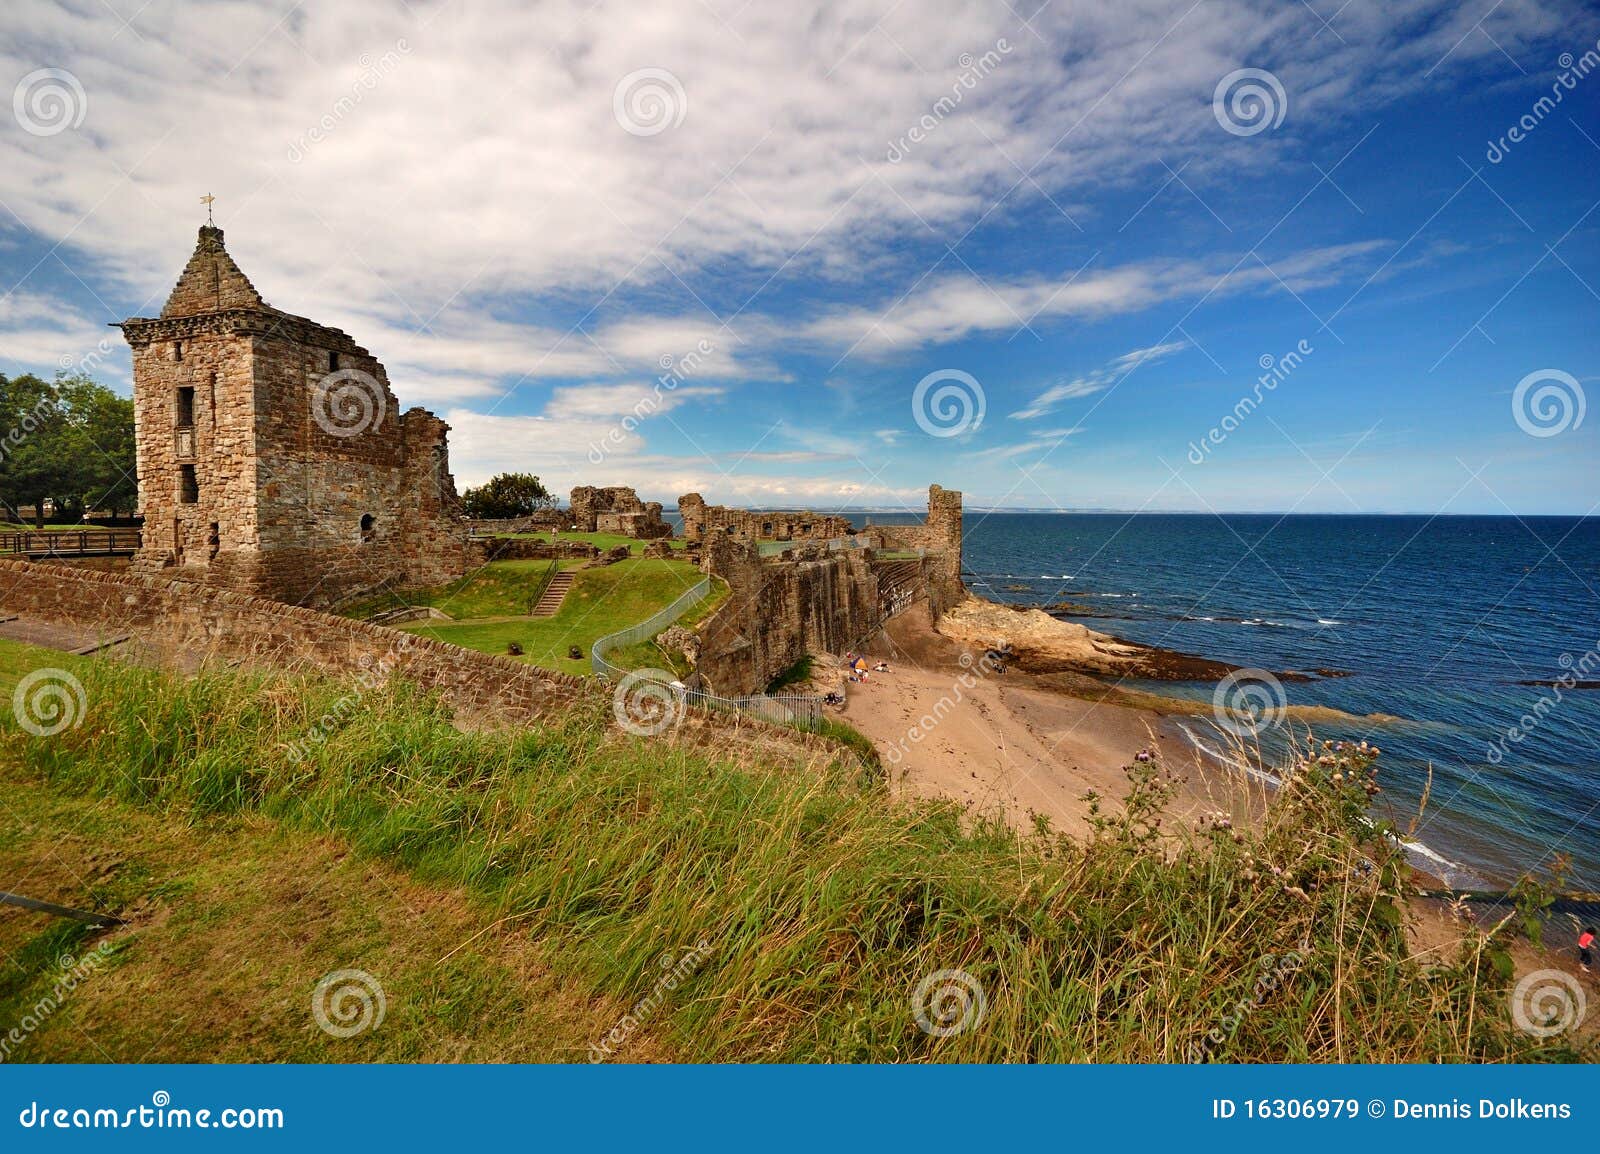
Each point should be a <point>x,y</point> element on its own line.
<point>604,540</point>
<point>234,922</point>
<point>601,601</point>
<point>17,659</point>
<point>499,589</point>
<point>649,655</point>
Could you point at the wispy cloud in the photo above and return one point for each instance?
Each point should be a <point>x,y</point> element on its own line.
<point>1097,381</point>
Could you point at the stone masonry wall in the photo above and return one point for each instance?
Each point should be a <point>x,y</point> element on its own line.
<point>210,624</point>
<point>225,626</point>
<point>940,537</point>
<point>700,520</point>
<point>616,509</point>
<point>255,478</point>
<point>779,611</point>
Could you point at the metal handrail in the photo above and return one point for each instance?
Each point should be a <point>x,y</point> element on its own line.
<point>649,627</point>
<point>803,712</point>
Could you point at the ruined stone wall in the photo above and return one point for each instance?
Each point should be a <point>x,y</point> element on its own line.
<point>228,627</point>
<point>541,521</point>
<point>218,445</point>
<point>700,520</point>
<point>199,625</point>
<point>616,509</point>
<point>779,611</point>
<point>940,538</point>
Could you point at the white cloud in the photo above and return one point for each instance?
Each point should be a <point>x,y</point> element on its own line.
<point>1097,381</point>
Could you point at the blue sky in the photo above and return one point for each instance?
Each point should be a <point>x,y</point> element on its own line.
<point>525,215</point>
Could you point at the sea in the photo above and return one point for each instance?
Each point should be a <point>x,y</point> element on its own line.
<point>1441,622</point>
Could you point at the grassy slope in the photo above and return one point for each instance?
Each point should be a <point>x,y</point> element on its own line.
<point>498,589</point>
<point>600,601</point>
<point>821,904</point>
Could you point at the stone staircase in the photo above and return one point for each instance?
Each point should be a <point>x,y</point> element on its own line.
<point>554,594</point>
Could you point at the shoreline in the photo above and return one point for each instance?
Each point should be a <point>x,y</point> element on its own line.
<point>1053,727</point>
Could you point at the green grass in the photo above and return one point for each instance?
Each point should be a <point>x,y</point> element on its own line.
<point>649,655</point>
<point>821,903</point>
<point>604,540</point>
<point>600,601</point>
<point>794,675</point>
<point>498,589</point>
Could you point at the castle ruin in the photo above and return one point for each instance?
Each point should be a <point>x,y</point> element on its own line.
<point>618,510</point>
<point>747,525</point>
<point>273,458</point>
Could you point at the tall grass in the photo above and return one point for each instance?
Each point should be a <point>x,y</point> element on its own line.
<point>822,903</point>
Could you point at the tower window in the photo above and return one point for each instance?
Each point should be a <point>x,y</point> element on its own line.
<point>333,362</point>
<point>185,409</point>
<point>369,527</point>
<point>177,350</point>
<point>188,485</point>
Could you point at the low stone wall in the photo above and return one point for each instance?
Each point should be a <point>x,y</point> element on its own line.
<point>203,622</point>
<point>528,549</point>
<point>543,520</point>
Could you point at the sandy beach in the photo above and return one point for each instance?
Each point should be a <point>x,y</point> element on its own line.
<point>948,725</point>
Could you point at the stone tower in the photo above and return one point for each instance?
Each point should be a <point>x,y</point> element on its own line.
<point>272,455</point>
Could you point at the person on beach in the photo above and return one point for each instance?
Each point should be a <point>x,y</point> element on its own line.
<point>1585,949</point>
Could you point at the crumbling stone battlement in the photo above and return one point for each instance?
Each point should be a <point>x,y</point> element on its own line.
<point>616,509</point>
<point>700,520</point>
<point>812,600</point>
<point>273,458</point>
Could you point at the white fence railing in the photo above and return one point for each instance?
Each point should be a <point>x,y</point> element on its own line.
<point>802,712</point>
<point>645,630</point>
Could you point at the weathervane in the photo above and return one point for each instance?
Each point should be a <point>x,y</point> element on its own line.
<point>207,200</point>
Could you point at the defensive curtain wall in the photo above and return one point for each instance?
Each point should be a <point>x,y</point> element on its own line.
<point>816,599</point>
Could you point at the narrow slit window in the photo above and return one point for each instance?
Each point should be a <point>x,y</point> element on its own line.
<point>188,485</point>
<point>177,350</point>
<point>185,407</point>
<point>333,362</point>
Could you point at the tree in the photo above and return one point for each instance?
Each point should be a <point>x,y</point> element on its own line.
<point>68,441</point>
<point>507,495</point>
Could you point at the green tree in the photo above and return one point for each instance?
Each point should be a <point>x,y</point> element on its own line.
<point>507,495</point>
<point>68,441</point>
